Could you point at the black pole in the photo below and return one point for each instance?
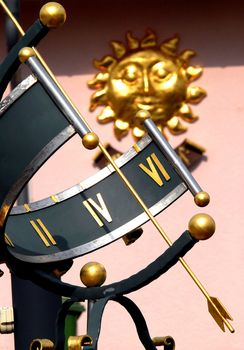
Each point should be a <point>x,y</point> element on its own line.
<point>12,34</point>
<point>35,309</point>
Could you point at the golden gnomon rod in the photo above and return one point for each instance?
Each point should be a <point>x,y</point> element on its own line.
<point>219,314</point>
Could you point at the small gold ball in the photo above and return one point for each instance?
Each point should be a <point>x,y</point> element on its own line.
<point>90,140</point>
<point>201,226</point>
<point>52,15</point>
<point>202,199</point>
<point>143,114</point>
<point>25,53</point>
<point>93,274</point>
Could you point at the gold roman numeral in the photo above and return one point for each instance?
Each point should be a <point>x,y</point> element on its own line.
<point>43,232</point>
<point>152,172</point>
<point>101,208</point>
<point>8,240</point>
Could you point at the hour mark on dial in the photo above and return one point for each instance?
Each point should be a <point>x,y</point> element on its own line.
<point>43,232</point>
<point>8,240</point>
<point>90,205</point>
<point>153,172</point>
<point>27,207</point>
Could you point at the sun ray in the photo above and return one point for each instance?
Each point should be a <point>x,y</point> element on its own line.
<point>175,126</point>
<point>149,40</point>
<point>138,132</point>
<point>118,48</point>
<point>195,94</point>
<point>98,98</point>
<point>104,63</point>
<point>133,43</point>
<point>186,55</point>
<point>170,45</point>
<point>187,114</point>
<point>193,73</point>
<point>99,81</point>
<point>121,128</point>
<point>106,115</point>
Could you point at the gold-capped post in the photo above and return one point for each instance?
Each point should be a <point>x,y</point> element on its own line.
<point>93,274</point>
<point>25,53</point>
<point>90,140</point>
<point>52,15</point>
<point>201,226</point>
<point>202,199</point>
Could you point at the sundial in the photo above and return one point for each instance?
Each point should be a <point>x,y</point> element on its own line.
<point>36,119</point>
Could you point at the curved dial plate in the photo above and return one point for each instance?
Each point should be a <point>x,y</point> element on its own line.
<point>32,128</point>
<point>95,212</point>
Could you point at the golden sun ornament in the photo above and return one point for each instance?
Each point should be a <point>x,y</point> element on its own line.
<point>145,75</point>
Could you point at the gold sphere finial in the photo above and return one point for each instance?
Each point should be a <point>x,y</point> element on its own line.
<point>90,140</point>
<point>25,53</point>
<point>202,199</point>
<point>142,114</point>
<point>93,274</point>
<point>201,226</point>
<point>52,15</point>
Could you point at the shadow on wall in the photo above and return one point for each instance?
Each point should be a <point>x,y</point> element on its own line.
<point>215,30</point>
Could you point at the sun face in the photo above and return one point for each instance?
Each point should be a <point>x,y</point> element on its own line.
<point>144,75</point>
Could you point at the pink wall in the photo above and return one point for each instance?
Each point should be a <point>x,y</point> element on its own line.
<point>172,305</point>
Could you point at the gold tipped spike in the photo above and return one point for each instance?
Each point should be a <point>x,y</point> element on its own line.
<point>216,315</point>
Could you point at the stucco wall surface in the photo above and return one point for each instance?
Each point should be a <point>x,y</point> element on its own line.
<point>172,305</point>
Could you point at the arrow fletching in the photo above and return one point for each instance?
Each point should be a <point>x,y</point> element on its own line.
<point>221,315</point>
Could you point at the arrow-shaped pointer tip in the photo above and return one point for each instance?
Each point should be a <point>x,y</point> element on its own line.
<point>220,314</point>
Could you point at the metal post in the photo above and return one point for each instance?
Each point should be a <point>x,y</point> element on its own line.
<point>35,312</point>
<point>35,309</point>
